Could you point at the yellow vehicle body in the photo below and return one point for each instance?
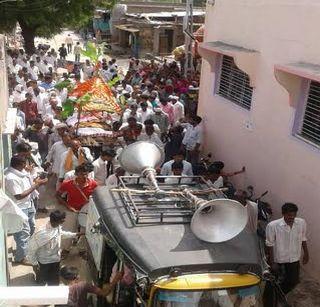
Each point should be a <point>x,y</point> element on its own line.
<point>209,281</point>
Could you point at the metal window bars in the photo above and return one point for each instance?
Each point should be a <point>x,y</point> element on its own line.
<point>234,84</point>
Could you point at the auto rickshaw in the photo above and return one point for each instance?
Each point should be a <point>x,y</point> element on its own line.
<point>184,243</point>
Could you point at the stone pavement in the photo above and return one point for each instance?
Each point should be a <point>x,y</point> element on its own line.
<point>306,294</point>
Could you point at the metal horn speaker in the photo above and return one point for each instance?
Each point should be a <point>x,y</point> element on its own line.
<point>219,220</point>
<point>139,156</point>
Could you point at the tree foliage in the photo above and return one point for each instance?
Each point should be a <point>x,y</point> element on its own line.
<point>47,17</point>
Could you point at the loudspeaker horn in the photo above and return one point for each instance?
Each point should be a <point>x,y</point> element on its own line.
<point>219,220</point>
<point>139,156</point>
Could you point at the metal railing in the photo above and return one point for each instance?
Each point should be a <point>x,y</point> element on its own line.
<point>144,206</point>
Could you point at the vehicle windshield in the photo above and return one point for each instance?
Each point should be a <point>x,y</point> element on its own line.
<point>235,297</point>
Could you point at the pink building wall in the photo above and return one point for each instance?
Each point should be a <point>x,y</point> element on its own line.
<point>282,32</point>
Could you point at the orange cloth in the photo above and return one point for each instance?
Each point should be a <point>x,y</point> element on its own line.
<point>68,165</point>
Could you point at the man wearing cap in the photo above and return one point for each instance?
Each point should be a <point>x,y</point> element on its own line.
<point>18,93</point>
<point>59,130</point>
<point>103,166</point>
<point>161,119</point>
<point>178,108</point>
<point>21,117</point>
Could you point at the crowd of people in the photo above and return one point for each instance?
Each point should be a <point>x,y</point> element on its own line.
<point>159,105</point>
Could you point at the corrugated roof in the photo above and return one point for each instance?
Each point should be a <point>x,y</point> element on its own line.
<point>127,28</point>
<point>166,14</point>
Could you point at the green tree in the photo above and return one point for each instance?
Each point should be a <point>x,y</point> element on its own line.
<point>46,18</point>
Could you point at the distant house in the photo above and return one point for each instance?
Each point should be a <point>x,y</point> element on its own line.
<point>260,100</point>
<point>101,24</point>
<point>157,32</point>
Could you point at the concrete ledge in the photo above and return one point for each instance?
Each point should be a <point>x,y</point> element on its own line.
<point>33,295</point>
<point>245,59</point>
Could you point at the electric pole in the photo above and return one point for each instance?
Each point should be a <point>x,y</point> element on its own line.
<point>188,32</point>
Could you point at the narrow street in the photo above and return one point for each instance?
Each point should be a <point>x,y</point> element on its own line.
<point>160,154</point>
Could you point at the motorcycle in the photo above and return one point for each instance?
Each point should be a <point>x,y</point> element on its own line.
<point>264,210</point>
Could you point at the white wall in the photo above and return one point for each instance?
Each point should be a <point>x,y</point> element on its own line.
<point>3,82</point>
<point>282,31</point>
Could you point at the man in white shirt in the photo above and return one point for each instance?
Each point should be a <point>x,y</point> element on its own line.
<point>77,52</point>
<point>20,187</point>
<point>177,171</point>
<point>50,59</point>
<point>41,100</point>
<point>73,157</point>
<point>18,93</point>
<point>284,239</point>
<point>150,136</point>
<point>178,108</point>
<point>87,70</point>
<point>33,70</point>
<point>127,87</point>
<point>145,112</point>
<point>9,58</point>
<point>132,112</point>
<point>56,152</point>
<point>59,130</point>
<point>43,67</point>
<point>113,180</point>
<point>15,67</point>
<point>192,139</point>
<point>252,210</point>
<point>50,109</point>
<point>45,248</point>
<point>166,169</point>
<point>69,42</point>
<point>20,78</point>
<point>113,65</point>
<point>21,117</point>
<point>24,63</point>
<point>71,175</point>
<point>103,166</point>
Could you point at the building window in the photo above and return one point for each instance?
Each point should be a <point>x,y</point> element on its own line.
<point>234,84</point>
<point>310,126</point>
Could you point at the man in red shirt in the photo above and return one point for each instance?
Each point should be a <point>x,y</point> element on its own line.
<point>29,108</point>
<point>78,190</point>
